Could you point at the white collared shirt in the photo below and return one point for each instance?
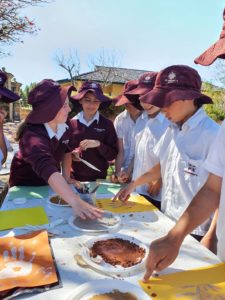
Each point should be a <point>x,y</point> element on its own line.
<point>144,158</point>
<point>181,154</point>
<point>81,119</point>
<point>127,129</point>
<point>215,163</point>
<point>61,128</point>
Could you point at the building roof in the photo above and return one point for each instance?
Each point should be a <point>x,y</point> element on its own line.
<point>109,74</point>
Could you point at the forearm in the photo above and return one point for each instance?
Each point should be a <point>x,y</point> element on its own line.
<point>152,175</point>
<point>66,166</point>
<point>119,163</point>
<point>60,187</point>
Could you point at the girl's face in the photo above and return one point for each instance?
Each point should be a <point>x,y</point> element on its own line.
<point>90,104</point>
<point>150,109</point>
<point>62,114</point>
<point>179,111</point>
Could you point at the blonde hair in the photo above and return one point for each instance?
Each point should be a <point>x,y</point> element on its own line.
<point>20,130</point>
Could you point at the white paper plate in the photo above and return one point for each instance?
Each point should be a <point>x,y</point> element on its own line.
<point>55,204</point>
<point>104,267</point>
<point>88,290</point>
<point>95,230</point>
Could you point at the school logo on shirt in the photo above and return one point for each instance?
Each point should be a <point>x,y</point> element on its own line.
<point>65,142</point>
<point>99,129</point>
<point>191,169</point>
<point>171,78</point>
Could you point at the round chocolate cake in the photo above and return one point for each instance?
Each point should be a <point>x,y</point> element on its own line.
<point>114,295</point>
<point>117,251</point>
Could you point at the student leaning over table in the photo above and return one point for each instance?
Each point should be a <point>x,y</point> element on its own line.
<point>142,157</point>
<point>127,124</point>
<point>6,96</point>
<point>44,138</point>
<point>185,144</point>
<point>210,197</point>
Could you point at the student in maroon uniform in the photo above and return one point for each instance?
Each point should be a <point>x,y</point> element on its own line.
<point>6,96</point>
<point>94,135</point>
<point>43,141</point>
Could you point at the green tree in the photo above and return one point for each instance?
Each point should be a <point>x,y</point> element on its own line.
<point>24,94</point>
<point>216,110</point>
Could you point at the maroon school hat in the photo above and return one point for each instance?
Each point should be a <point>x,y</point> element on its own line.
<point>217,50</point>
<point>96,89</point>
<point>47,98</point>
<point>145,84</point>
<point>5,94</point>
<point>124,98</point>
<point>178,82</point>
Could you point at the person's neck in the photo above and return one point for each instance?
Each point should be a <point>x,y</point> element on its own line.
<point>152,116</point>
<point>135,115</point>
<point>88,117</point>
<point>53,125</point>
<point>188,116</point>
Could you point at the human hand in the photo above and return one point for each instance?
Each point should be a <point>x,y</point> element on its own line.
<point>154,187</point>
<point>114,178</point>
<point>162,253</point>
<point>85,144</point>
<point>124,194</point>
<point>15,265</point>
<point>86,211</point>
<point>123,177</point>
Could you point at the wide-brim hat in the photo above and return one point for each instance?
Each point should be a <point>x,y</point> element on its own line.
<point>47,98</point>
<point>96,90</point>
<point>6,95</point>
<point>162,98</point>
<point>124,98</point>
<point>146,83</point>
<point>217,50</point>
<point>175,83</point>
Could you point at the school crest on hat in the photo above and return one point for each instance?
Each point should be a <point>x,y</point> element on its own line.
<point>147,79</point>
<point>171,78</point>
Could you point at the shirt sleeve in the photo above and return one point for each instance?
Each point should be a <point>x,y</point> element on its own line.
<point>119,128</point>
<point>38,153</point>
<point>215,162</point>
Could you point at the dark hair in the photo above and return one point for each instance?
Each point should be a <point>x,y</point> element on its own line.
<point>198,103</point>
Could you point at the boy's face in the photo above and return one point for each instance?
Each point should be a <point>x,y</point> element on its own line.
<point>179,111</point>
<point>149,108</point>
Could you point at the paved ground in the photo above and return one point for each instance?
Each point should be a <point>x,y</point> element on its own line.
<point>9,131</point>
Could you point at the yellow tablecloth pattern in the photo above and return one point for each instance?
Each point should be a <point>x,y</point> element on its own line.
<point>206,283</point>
<point>135,203</point>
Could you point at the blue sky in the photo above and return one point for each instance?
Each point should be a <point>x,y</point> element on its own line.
<point>147,34</point>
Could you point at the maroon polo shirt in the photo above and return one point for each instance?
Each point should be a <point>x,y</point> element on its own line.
<point>103,131</point>
<point>38,156</point>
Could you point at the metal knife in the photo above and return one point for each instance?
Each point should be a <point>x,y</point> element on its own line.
<point>89,164</point>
